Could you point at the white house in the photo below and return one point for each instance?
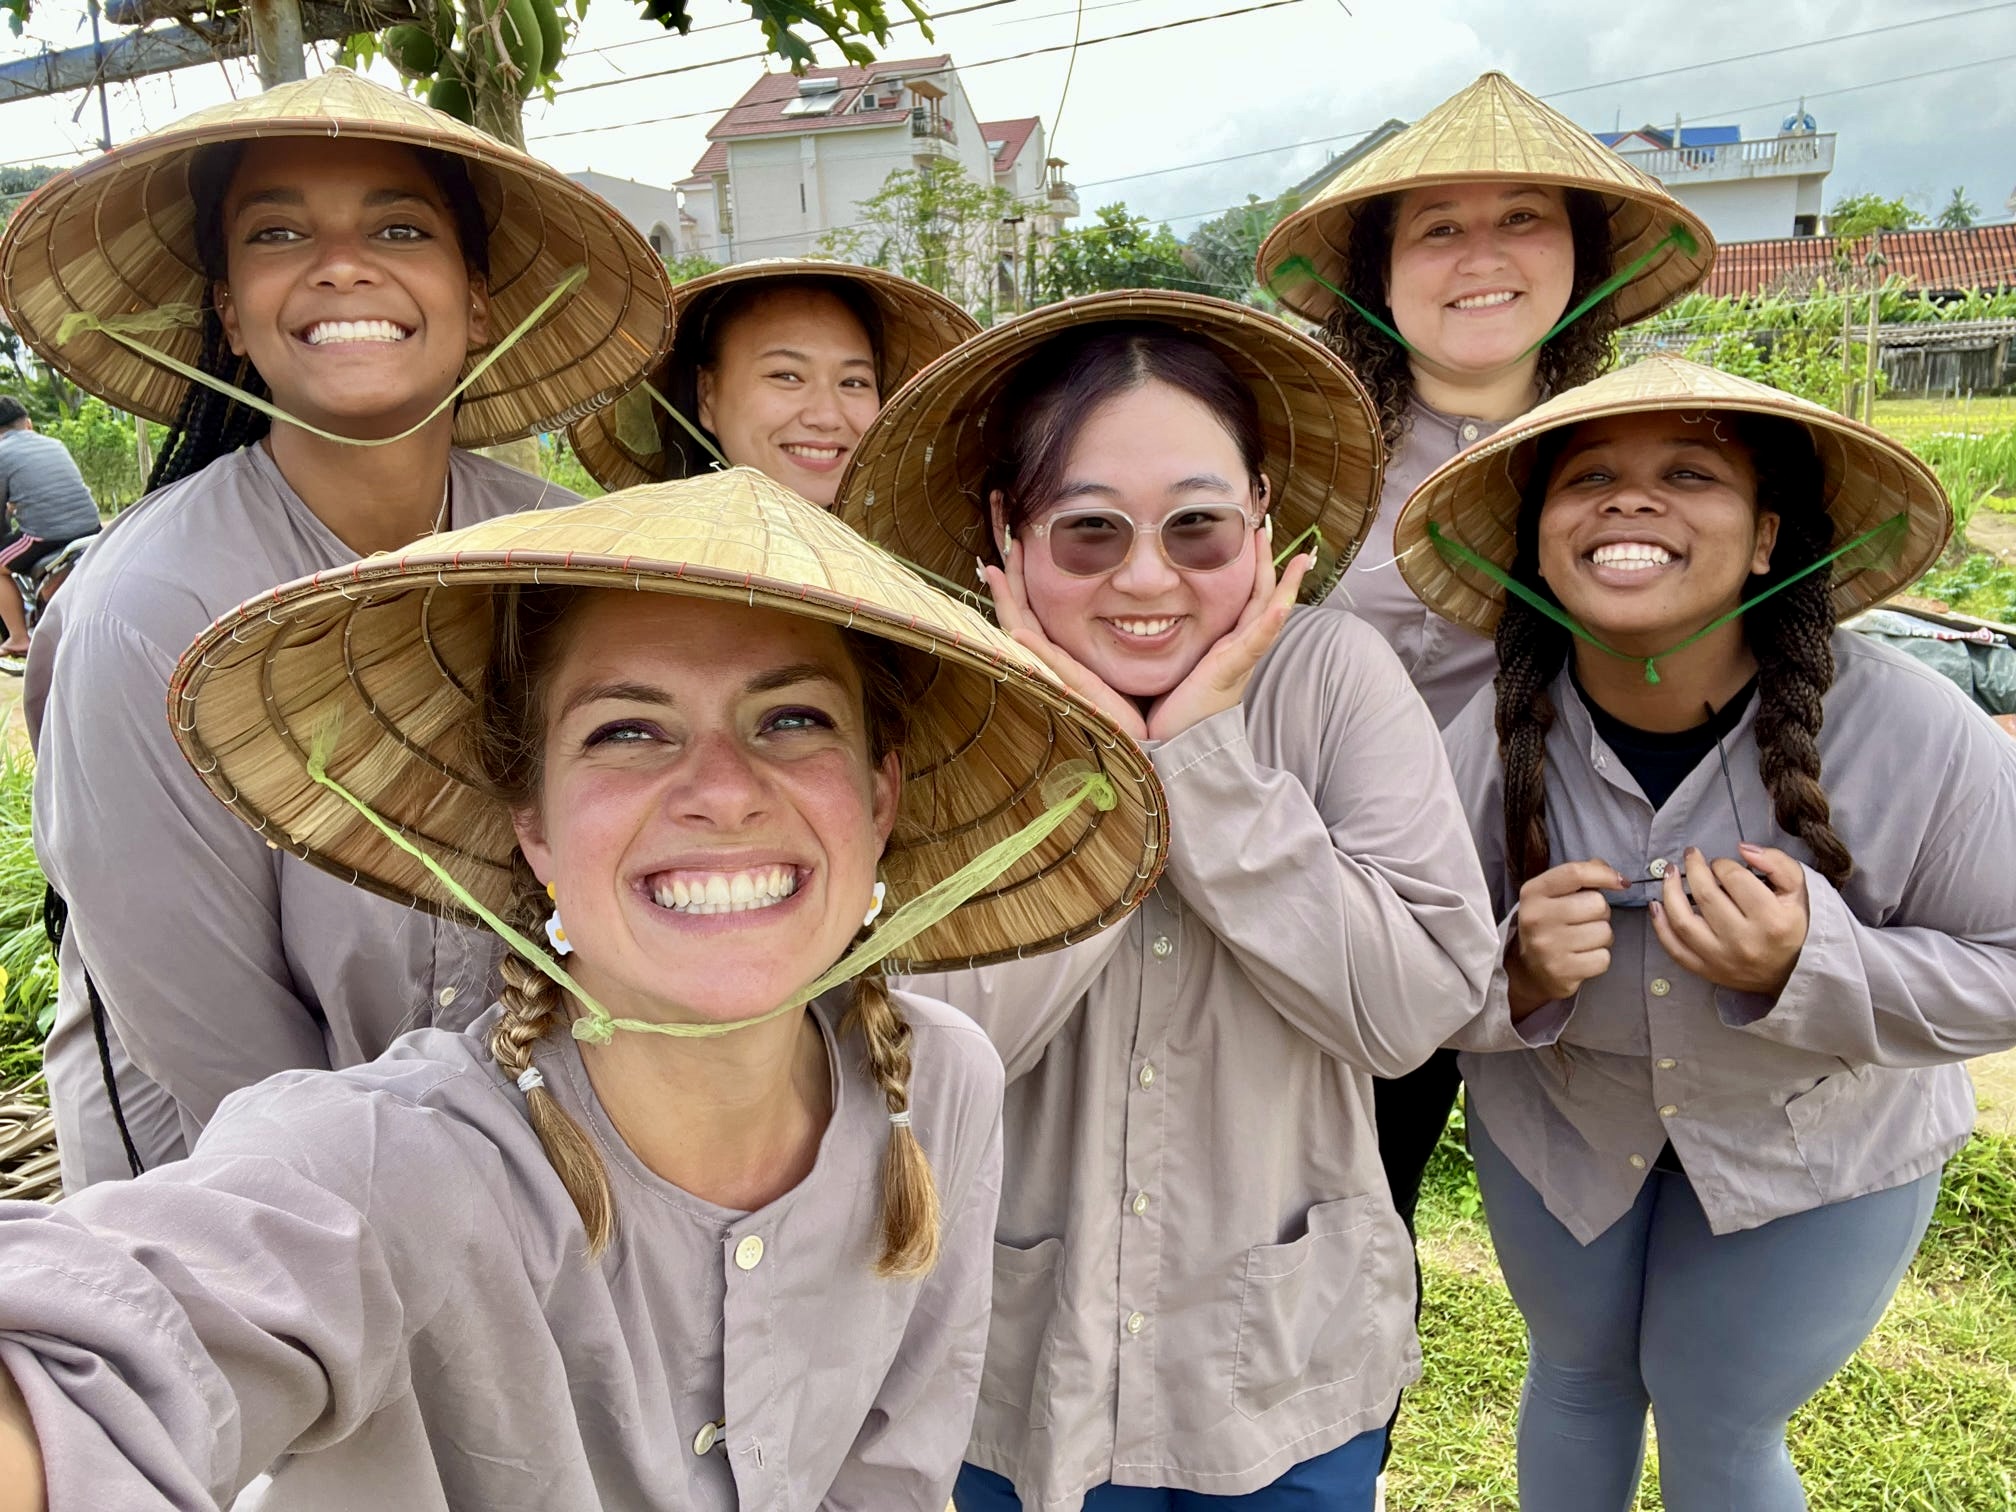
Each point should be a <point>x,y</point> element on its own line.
<point>1043,200</point>
<point>653,211</point>
<point>1745,190</point>
<point>795,155</point>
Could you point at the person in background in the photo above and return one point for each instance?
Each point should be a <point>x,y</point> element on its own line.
<point>1465,269</point>
<point>698,1221</point>
<point>776,365</point>
<point>1756,910</point>
<point>1202,1293</point>
<point>47,507</point>
<point>351,257</point>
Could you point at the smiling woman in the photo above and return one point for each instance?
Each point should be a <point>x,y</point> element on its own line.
<point>778,365</point>
<point>327,292</point>
<point>699,1220</point>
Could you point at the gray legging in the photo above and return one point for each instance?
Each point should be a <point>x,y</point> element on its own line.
<point>1724,1337</point>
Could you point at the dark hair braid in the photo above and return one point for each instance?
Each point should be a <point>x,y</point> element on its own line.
<point>1571,358</point>
<point>1531,651</point>
<point>1791,635</point>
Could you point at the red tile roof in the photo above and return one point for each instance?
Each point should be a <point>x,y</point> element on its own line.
<point>1981,257</point>
<point>1013,137</point>
<point>714,160</point>
<point>760,111</point>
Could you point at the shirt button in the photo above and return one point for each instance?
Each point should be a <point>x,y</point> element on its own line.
<point>1147,1075</point>
<point>1140,1203</point>
<point>708,1436</point>
<point>1136,1322</point>
<point>1658,867</point>
<point>1469,432</point>
<point>1660,986</point>
<point>1601,764</point>
<point>749,1253</point>
<point>1667,1063</point>
<point>1669,1110</point>
<point>1162,947</point>
<point>447,996</point>
<point>1637,1162</point>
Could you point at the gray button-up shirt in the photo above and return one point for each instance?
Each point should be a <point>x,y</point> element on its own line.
<point>219,960</point>
<point>1446,662</point>
<point>1850,1081</point>
<point>375,1276</point>
<point>1200,1279</point>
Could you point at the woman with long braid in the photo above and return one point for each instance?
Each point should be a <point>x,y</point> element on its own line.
<point>359,255</point>
<point>698,1215</point>
<point>1752,879</point>
<point>1465,269</point>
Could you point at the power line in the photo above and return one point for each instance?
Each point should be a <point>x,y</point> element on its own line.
<point>1033,52</point>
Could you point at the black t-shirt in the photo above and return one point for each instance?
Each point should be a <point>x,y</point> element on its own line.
<point>1660,760</point>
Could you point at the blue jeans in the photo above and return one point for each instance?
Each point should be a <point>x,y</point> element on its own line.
<point>1723,1336</point>
<point>1340,1481</point>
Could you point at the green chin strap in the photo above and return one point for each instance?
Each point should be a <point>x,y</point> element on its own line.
<point>1458,552</point>
<point>179,317</point>
<point>1679,237</point>
<point>1069,787</point>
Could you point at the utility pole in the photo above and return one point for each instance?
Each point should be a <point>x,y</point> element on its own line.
<point>1876,264</point>
<point>277,41</point>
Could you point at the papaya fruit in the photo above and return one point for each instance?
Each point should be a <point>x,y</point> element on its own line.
<point>412,51</point>
<point>552,34</point>
<point>450,95</point>
<point>524,47</point>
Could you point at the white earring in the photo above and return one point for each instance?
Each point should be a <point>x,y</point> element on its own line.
<point>556,933</point>
<point>875,909</point>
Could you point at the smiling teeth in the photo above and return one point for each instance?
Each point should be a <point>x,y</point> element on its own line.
<point>725,892</point>
<point>1634,555</point>
<point>816,453</point>
<point>1486,301</point>
<point>1143,627</point>
<point>328,332</point>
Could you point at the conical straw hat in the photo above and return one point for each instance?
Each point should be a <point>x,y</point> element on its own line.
<point>622,446</point>
<point>117,237</point>
<point>1475,498</point>
<point>388,653</point>
<point>914,484</point>
<point>1492,132</point>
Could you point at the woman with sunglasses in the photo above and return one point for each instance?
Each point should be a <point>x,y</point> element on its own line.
<point>351,257</point>
<point>1202,1293</point>
<point>777,365</point>
<point>1465,269</point>
<point>1752,872</point>
<point>696,1216</point>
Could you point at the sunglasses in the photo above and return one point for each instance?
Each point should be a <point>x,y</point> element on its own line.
<point>1094,541</point>
<point>1641,892</point>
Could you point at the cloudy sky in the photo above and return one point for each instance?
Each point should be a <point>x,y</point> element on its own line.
<point>1187,121</point>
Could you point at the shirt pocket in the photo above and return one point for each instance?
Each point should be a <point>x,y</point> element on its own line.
<point>1310,1312</point>
<point>1859,1125</point>
<point>1021,1327</point>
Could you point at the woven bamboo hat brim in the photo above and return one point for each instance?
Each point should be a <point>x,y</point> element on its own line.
<point>117,237</point>
<point>914,485</point>
<point>388,653</point>
<point>1475,498</point>
<point>1492,132</point>
<point>622,446</point>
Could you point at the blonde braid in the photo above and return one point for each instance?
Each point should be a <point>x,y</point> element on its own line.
<point>532,1004</point>
<point>910,1214</point>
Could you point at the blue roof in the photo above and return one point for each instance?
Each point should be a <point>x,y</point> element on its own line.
<point>1690,136</point>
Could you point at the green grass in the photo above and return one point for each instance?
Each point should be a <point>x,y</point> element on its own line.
<point>1980,586</point>
<point>1923,1419</point>
<point>29,1001</point>
<point>1910,419</point>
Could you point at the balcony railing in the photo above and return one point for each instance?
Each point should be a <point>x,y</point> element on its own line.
<point>1769,157</point>
<point>924,124</point>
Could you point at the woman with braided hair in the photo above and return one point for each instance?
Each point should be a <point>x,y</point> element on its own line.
<point>1755,911</point>
<point>315,327</point>
<point>697,1216</point>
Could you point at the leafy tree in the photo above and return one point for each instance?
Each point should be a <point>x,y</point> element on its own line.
<point>1221,253</point>
<point>1859,214</point>
<point>933,224</point>
<point>480,59</point>
<point>684,269</point>
<point>1120,252</point>
<point>1960,211</point>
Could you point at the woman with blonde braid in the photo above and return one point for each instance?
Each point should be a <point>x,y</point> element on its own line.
<point>1753,884</point>
<point>329,293</point>
<point>1465,269</point>
<point>698,1216</point>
